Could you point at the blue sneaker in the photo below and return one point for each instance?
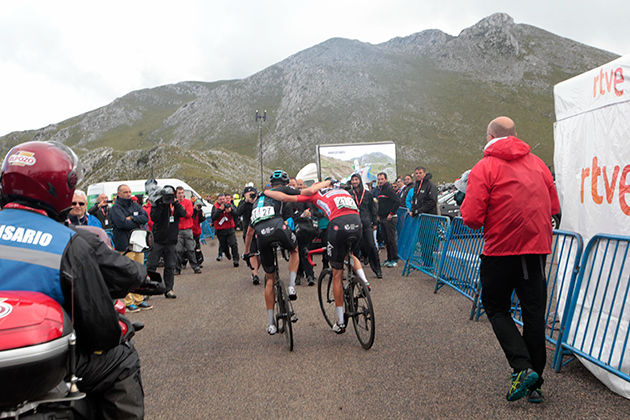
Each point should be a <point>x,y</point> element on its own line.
<point>521,382</point>
<point>132,308</point>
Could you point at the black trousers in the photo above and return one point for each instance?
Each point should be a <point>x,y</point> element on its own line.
<point>168,251</point>
<point>112,381</point>
<point>388,230</point>
<point>369,249</point>
<point>228,244</point>
<point>525,274</point>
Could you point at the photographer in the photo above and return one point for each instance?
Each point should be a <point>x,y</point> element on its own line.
<point>244,210</point>
<point>100,210</point>
<point>224,226</point>
<point>165,213</point>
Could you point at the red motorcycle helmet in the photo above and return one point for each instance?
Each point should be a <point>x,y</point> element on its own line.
<point>43,173</point>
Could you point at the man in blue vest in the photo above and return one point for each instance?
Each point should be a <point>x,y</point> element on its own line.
<point>71,266</point>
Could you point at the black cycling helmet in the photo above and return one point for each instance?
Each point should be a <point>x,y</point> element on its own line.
<point>279,177</point>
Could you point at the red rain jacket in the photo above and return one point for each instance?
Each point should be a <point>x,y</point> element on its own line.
<point>511,194</point>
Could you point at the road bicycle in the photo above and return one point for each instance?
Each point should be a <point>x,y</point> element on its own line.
<point>282,309</point>
<point>357,302</point>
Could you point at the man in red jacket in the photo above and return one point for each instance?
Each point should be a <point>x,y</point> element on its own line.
<point>224,227</point>
<point>186,241</point>
<point>511,194</point>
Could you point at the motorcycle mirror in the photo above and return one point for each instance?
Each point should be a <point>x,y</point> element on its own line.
<point>140,241</point>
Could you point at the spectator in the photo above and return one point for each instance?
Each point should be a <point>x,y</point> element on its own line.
<point>404,192</point>
<point>244,210</point>
<point>186,240</point>
<point>198,219</point>
<point>101,210</point>
<point>224,227</point>
<point>77,216</point>
<point>166,213</point>
<point>147,208</point>
<point>367,211</point>
<point>125,216</point>
<point>511,193</point>
<point>425,194</point>
<point>388,204</point>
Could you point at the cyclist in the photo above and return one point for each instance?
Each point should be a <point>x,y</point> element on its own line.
<point>268,223</point>
<point>344,224</point>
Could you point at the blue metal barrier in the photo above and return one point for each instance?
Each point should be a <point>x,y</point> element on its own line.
<point>207,231</point>
<point>561,270</point>
<point>459,267</point>
<point>402,214</point>
<point>429,244</point>
<point>408,237</point>
<point>598,317</point>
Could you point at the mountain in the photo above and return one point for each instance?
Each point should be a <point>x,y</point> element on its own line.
<point>431,93</point>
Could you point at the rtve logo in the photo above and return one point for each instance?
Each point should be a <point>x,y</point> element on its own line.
<point>609,81</point>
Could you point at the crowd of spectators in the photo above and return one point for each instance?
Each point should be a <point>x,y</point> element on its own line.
<point>178,226</point>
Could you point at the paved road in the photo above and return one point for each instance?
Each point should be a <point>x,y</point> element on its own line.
<point>205,355</point>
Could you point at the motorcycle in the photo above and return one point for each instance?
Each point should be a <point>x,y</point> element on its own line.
<point>38,350</point>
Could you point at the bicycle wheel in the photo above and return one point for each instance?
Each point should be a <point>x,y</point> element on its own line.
<point>283,313</point>
<point>362,313</point>
<point>326,296</point>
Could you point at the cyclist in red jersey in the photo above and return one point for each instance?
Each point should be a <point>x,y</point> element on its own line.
<point>344,224</point>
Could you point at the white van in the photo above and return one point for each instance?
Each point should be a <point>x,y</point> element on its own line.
<point>137,187</point>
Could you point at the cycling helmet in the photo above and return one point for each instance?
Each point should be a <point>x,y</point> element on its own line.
<point>43,173</point>
<point>279,177</point>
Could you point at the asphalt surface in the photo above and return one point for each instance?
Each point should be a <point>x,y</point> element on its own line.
<point>206,355</point>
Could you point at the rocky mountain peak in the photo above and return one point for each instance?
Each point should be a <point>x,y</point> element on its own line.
<point>494,33</point>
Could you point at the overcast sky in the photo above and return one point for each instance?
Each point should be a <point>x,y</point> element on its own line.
<point>59,59</point>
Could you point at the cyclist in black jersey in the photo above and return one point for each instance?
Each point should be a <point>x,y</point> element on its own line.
<point>268,225</point>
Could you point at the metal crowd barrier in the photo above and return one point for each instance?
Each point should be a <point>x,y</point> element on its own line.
<point>459,266</point>
<point>402,214</point>
<point>408,235</point>
<point>428,247</point>
<point>599,313</point>
<point>207,231</point>
<point>561,269</point>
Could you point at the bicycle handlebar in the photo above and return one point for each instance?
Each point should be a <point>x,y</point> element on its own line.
<point>315,251</point>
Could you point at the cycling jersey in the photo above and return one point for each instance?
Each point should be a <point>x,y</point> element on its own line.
<point>267,208</point>
<point>345,222</point>
<point>334,202</point>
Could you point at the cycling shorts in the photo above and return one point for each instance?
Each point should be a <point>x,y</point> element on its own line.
<point>340,229</point>
<point>269,232</point>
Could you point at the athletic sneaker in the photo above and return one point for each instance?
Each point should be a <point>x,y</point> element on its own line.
<point>255,280</point>
<point>385,263</point>
<point>339,329</point>
<point>392,264</point>
<point>311,281</point>
<point>292,293</point>
<point>271,329</point>
<point>133,308</point>
<point>145,306</point>
<point>521,382</point>
<point>535,396</point>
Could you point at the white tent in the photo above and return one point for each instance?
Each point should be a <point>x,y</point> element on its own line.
<point>592,161</point>
<point>308,173</point>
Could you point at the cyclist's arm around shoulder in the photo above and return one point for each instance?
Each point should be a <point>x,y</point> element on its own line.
<point>314,188</point>
<point>279,196</point>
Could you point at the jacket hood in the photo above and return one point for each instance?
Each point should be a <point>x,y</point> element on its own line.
<point>507,148</point>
